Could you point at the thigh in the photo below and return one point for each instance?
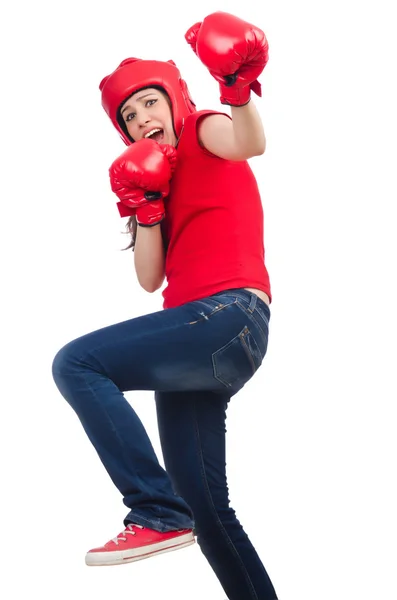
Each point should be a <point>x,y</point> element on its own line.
<point>206,345</point>
<point>161,350</point>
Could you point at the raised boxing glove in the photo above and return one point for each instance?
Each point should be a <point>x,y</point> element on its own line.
<point>140,178</point>
<point>235,53</point>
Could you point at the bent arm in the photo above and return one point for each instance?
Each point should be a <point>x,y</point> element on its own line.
<point>238,138</point>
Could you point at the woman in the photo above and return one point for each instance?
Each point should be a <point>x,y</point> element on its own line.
<point>196,220</point>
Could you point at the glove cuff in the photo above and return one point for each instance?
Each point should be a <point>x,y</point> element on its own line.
<point>124,210</point>
<point>150,213</point>
<point>151,224</point>
<point>238,95</point>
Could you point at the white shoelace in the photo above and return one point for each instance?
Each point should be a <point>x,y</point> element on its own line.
<point>128,530</point>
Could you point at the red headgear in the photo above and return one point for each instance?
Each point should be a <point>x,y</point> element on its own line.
<point>131,75</point>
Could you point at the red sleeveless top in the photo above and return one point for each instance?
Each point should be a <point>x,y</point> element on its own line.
<point>213,230</point>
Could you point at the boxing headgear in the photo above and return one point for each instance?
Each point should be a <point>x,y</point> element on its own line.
<point>133,74</point>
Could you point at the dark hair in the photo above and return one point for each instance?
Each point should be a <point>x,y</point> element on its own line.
<point>131,227</point>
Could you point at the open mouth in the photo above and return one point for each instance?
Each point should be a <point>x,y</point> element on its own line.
<point>156,134</point>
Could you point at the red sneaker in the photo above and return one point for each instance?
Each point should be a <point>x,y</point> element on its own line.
<point>136,543</point>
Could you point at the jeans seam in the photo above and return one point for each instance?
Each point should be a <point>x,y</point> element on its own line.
<point>255,321</point>
<point>208,493</point>
<point>248,352</point>
<point>114,429</point>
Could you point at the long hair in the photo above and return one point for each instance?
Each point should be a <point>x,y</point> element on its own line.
<point>130,228</point>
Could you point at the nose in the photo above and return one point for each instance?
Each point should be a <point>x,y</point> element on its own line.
<point>142,117</point>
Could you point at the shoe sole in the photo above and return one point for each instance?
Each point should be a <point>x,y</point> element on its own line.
<point>108,559</point>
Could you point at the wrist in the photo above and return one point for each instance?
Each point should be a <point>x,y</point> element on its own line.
<point>149,225</point>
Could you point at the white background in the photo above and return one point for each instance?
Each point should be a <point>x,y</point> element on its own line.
<point>312,438</point>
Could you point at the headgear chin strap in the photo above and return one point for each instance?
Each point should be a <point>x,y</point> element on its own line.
<point>131,75</point>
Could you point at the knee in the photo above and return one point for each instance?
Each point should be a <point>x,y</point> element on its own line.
<point>66,363</point>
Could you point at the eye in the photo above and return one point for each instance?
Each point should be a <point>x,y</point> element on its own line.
<point>131,115</point>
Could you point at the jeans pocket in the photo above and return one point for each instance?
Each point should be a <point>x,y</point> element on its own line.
<point>258,320</point>
<point>235,363</point>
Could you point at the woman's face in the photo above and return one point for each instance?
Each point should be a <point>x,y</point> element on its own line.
<point>147,113</point>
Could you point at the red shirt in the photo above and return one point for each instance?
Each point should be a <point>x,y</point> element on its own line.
<point>213,230</point>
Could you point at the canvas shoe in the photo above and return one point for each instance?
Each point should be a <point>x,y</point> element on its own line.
<point>136,543</point>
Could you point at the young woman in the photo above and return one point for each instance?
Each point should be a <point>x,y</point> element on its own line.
<point>196,220</point>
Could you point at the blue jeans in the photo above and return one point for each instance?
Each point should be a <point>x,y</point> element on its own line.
<point>195,357</point>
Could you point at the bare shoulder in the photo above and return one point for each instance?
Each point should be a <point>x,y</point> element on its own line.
<point>216,134</point>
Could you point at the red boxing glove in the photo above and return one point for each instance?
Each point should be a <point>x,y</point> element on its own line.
<point>147,215</point>
<point>235,53</point>
<point>140,178</point>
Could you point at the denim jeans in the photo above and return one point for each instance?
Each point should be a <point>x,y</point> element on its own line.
<point>195,357</point>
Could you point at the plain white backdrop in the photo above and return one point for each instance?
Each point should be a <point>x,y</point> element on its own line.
<point>312,438</point>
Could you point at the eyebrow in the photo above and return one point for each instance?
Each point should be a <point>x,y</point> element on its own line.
<point>140,98</point>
